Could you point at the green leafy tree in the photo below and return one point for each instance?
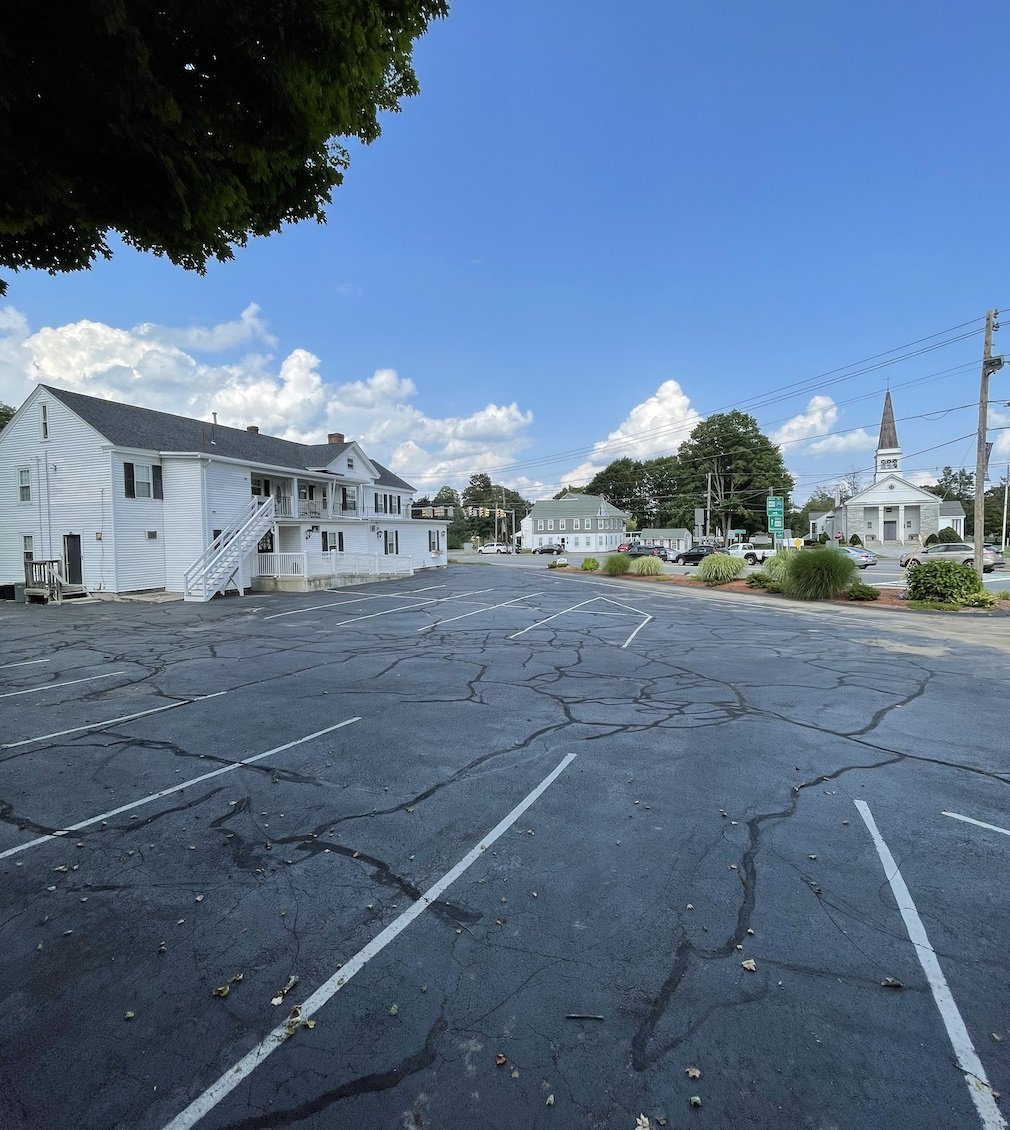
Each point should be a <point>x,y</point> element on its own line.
<point>187,127</point>
<point>6,412</point>
<point>729,454</point>
<point>482,494</point>
<point>458,530</point>
<point>625,484</point>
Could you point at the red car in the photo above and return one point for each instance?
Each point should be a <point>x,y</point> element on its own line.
<point>625,546</point>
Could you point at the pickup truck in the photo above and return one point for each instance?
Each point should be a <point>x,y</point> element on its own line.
<point>752,554</point>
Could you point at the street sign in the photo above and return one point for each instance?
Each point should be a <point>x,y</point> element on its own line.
<point>776,515</point>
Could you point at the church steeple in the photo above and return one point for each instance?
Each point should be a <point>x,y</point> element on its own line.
<point>888,457</point>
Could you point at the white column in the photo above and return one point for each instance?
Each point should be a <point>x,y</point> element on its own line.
<point>901,523</point>
<point>880,523</point>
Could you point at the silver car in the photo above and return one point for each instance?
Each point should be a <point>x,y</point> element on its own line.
<point>960,551</point>
<point>862,557</point>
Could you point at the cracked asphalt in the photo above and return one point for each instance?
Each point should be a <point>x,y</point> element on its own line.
<point>264,786</point>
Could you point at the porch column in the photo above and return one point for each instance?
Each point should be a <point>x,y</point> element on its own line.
<point>901,523</point>
<point>880,524</point>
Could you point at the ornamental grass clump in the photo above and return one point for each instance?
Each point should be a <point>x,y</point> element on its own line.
<point>819,574</point>
<point>590,565</point>
<point>646,567</point>
<point>775,567</point>
<point>948,582</point>
<point>616,565</point>
<point>720,568</point>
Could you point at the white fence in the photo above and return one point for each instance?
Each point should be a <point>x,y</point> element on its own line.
<point>331,564</point>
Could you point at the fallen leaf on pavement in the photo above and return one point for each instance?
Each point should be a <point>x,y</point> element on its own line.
<point>749,965</point>
<point>550,1101</point>
<point>693,1072</point>
<point>500,1059</point>
<point>695,1100</point>
<point>892,983</point>
<point>282,993</point>
<point>642,1123</point>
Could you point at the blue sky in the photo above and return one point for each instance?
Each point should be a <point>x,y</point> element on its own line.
<point>595,224</point>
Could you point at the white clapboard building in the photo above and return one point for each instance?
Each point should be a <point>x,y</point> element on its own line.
<point>109,498</point>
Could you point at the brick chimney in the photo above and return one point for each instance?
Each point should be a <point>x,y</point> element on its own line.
<point>335,437</point>
<point>253,428</point>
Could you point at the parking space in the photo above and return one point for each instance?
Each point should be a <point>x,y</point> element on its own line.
<point>512,848</point>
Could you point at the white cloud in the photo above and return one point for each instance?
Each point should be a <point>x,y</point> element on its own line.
<point>858,440</point>
<point>818,419</point>
<point>657,426</point>
<point>155,367</point>
<point>201,339</point>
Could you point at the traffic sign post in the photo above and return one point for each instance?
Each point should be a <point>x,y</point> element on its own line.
<point>776,515</point>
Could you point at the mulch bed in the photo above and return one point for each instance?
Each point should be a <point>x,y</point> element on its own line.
<point>889,598</point>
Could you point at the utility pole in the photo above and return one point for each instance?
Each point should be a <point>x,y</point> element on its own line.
<point>708,506</point>
<point>990,365</point>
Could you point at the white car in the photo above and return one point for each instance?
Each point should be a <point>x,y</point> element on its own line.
<point>495,547</point>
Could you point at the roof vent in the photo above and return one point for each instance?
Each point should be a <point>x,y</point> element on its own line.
<point>335,437</point>
<point>254,429</point>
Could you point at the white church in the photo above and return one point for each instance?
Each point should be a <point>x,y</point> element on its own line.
<point>891,511</point>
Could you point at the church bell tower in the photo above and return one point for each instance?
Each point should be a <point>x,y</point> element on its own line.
<point>888,457</point>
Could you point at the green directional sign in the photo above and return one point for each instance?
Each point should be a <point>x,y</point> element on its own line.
<point>776,515</point>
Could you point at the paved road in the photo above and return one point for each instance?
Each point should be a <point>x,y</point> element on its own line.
<point>519,836</point>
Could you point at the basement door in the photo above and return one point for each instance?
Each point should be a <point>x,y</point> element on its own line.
<point>72,558</point>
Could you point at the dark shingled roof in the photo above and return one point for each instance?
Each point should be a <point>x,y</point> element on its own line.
<point>888,436</point>
<point>126,425</point>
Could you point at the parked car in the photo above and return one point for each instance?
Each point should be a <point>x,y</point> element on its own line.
<point>862,557</point>
<point>752,554</point>
<point>961,551</point>
<point>495,547</point>
<point>695,554</point>
<point>551,547</point>
<point>639,550</point>
<point>625,546</point>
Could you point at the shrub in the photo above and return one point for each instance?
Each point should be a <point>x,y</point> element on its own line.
<point>948,535</point>
<point>590,565</point>
<point>775,567</point>
<point>1003,594</point>
<point>859,591</point>
<point>646,567</point>
<point>855,540</point>
<point>616,565</point>
<point>720,568</point>
<point>932,539</point>
<point>558,563</point>
<point>945,581</point>
<point>758,581</point>
<point>822,538</point>
<point>980,599</point>
<point>818,576</point>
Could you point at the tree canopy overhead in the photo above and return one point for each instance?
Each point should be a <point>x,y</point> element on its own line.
<point>187,127</point>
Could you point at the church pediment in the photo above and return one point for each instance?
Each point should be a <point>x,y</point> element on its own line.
<point>892,490</point>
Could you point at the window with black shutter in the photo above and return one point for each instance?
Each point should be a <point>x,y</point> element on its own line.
<point>159,491</point>
<point>128,481</point>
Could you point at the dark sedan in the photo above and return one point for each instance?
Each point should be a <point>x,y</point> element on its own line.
<point>695,554</point>
<point>659,551</point>
<point>551,547</point>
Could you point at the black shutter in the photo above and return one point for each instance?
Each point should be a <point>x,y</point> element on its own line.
<point>159,490</point>
<point>128,484</point>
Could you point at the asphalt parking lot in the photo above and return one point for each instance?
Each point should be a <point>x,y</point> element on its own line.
<point>502,847</point>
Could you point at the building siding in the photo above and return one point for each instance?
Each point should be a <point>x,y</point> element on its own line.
<point>70,492</point>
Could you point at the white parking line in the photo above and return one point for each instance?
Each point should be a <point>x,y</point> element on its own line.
<point>967,1059</point>
<point>68,683</point>
<point>249,1062</point>
<point>591,612</point>
<point>977,823</point>
<point>25,663</point>
<point>378,596</point>
<point>111,721</point>
<point>174,789</point>
<point>477,611</point>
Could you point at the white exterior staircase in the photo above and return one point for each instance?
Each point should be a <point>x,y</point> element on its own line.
<point>215,569</point>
